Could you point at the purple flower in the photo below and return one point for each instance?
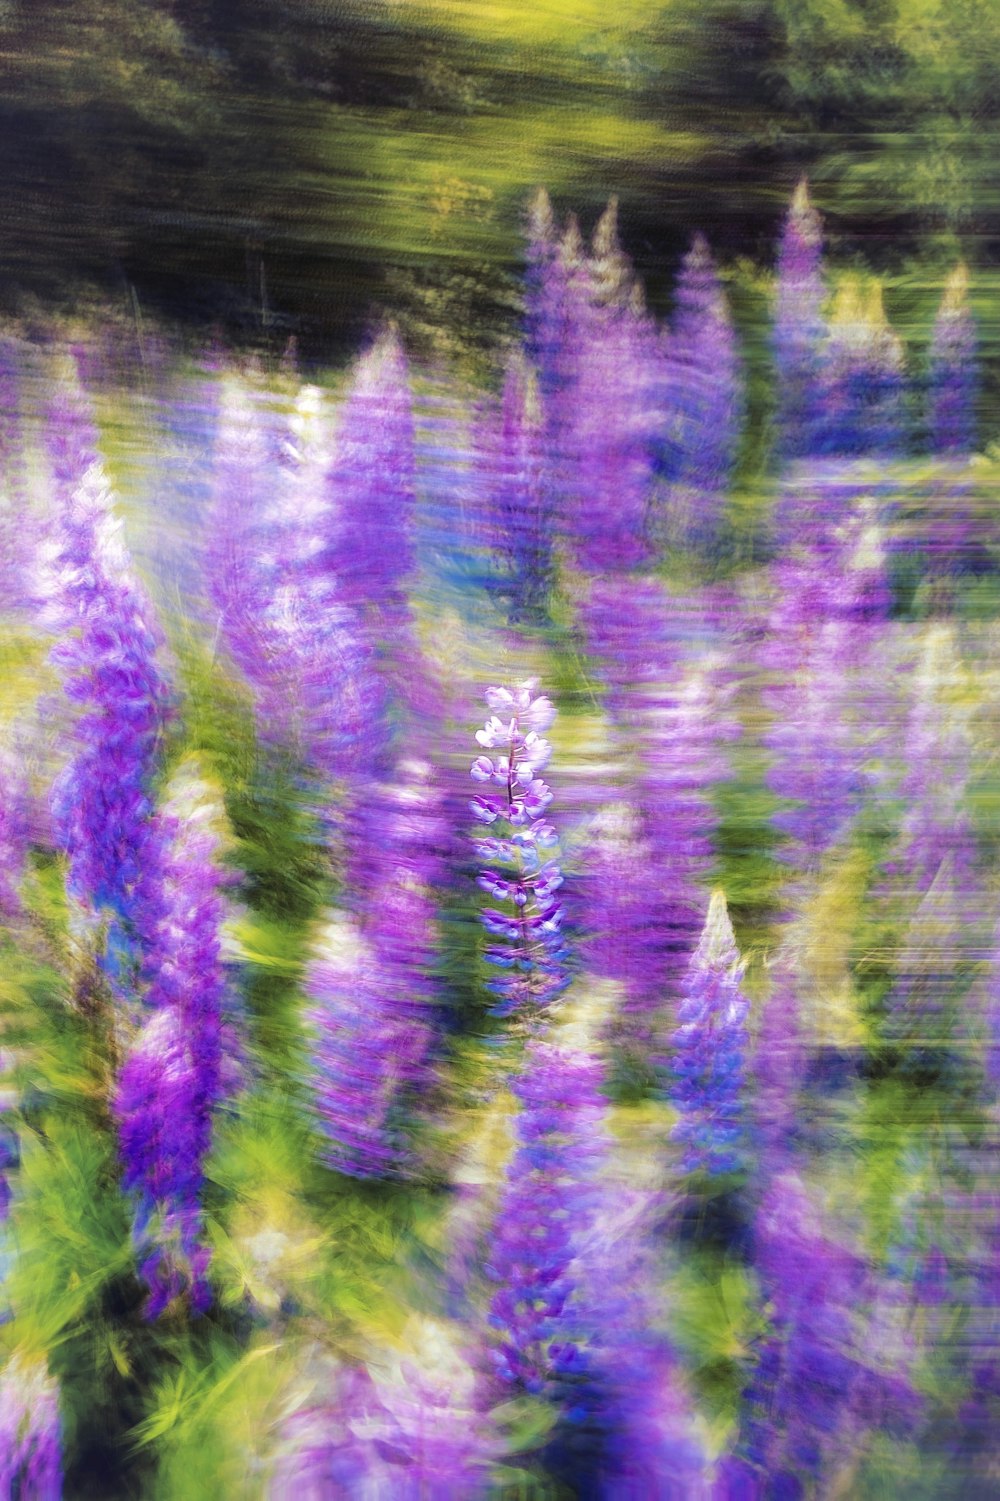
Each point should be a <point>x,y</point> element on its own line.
<point>157,1107</point>
<point>865,376</point>
<point>406,1428</point>
<point>537,1310</point>
<point>30,1432</point>
<point>14,833</point>
<point>285,620</point>
<point>523,873</point>
<point>171,1079</point>
<point>641,640</point>
<point>703,404</point>
<point>371,981</point>
<point>953,376</point>
<point>815,1390</point>
<point>937,752</point>
<point>614,420</point>
<point>799,329</point>
<point>779,1061</point>
<point>102,802</point>
<point>709,1048</point>
<point>516,492</point>
<point>821,658</point>
<point>370,487</point>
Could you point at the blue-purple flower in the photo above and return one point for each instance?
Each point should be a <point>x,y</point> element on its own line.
<point>172,1076</point>
<point>799,328</point>
<point>108,657</point>
<point>523,876</point>
<point>953,376</point>
<point>709,1048</point>
<point>30,1432</point>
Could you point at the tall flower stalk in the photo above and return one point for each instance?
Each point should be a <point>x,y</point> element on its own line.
<point>371,983</point>
<point>799,328</point>
<point>710,1045</point>
<point>171,1079</point>
<point>517,490</point>
<point>108,659</point>
<point>953,375</point>
<point>703,403</point>
<point>524,875</point>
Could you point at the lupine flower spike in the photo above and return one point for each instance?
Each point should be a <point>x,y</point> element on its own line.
<point>102,802</point>
<point>524,876</point>
<point>172,1076</point>
<point>710,1044</point>
<point>954,376</point>
<point>30,1433</point>
<point>799,327</point>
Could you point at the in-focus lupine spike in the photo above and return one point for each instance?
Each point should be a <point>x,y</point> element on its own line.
<point>102,803</point>
<point>953,373</point>
<point>709,1050</point>
<point>799,328</point>
<point>702,404</point>
<point>30,1432</point>
<point>523,877</point>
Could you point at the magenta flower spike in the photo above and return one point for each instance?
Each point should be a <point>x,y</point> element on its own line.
<point>370,488</point>
<point>524,875</point>
<point>172,1077</point>
<point>285,621</point>
<point>614,420</point>
<point>371,983</point>
<point>822,687</point>
<point>816,1388</point>
<point>108,659</point>
<point>241,579</point>
<point>30,1432</point>
<point>953,375</point>
<point>641,640</point>
<point>412,1432</point>
<point>799,329</point>
<point>709,1048</point>
<point>550,1193</point>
